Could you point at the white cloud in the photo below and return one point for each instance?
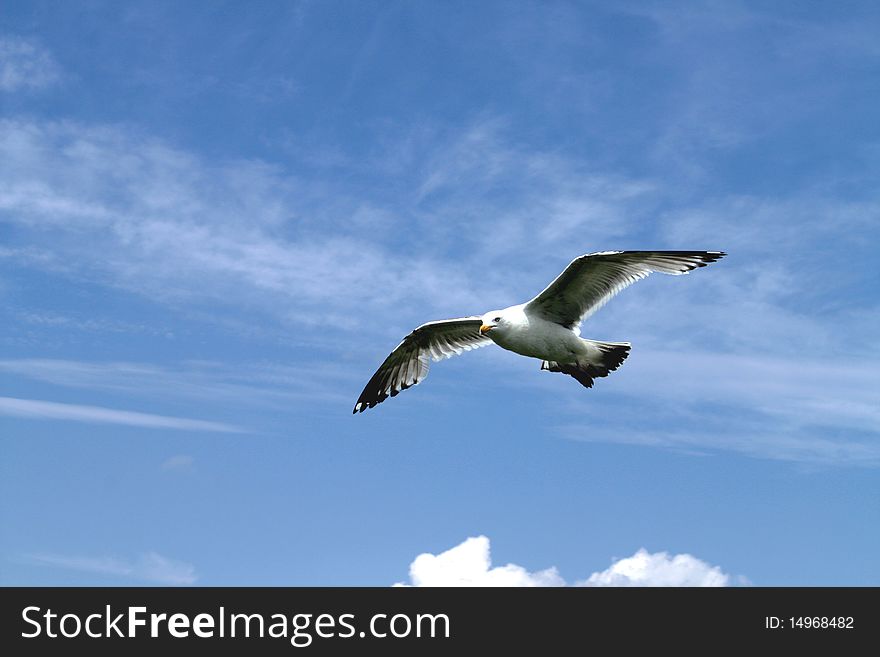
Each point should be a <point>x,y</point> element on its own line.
<point>24,64</point>
<point>780,407</point>
<point>659,569</point>
<point>134,212</point>
<point>88,323</point>
<point>44,410</point>
<point>495,190</point>
<point>470,564</point>
<point>116,205</point>
<point>261,384</point>
<point>112,205</point>
<point>148,567</point>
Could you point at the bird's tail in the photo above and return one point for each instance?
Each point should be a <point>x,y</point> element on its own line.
<point>609,356</point>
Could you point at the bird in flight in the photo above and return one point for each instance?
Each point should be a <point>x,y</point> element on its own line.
<point>546,328</point>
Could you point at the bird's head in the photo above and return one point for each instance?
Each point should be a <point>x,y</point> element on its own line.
<point>492,320</point>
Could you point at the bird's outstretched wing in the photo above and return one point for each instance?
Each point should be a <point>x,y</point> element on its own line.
<point>591,280</point>
<point>407,365</point>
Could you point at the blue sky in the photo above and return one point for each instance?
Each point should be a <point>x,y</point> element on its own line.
<point>216,220</point>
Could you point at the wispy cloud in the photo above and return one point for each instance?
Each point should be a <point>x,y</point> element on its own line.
<point>764,406</point>
<point>45,410</point>
<point>476,218</point>
<point>165,223</point>
<point>745,73</point>
<point>470,564</point>
<point>148,567</point>
<point>25,64</point>
<point>243,384</point>
<point>87,324</point>
<point>138,213</point>
<point>173,226</point>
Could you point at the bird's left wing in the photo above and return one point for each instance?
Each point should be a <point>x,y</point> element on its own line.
<point>591,280</point>
<point>407,365</point>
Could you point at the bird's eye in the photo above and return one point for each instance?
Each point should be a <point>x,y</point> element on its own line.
<point>497,319</point>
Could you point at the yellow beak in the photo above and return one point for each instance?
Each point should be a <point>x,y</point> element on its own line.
<point>485,328</point>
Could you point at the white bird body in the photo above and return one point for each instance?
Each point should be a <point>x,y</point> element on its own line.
<point>530,335</point>
<point>547,327</point>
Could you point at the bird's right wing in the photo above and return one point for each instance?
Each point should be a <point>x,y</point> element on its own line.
<point>407,365</point>
<point>591,280</point>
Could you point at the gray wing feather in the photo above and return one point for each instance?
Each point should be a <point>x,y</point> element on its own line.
<point>408,364</point>
<point>591,280</point>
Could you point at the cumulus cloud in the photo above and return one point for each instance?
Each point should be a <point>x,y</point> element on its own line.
<point>24,64</point>
<point>470,564</point>
<point>659,569</point>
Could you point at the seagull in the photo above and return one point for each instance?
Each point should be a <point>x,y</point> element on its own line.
<point>546,328</point>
